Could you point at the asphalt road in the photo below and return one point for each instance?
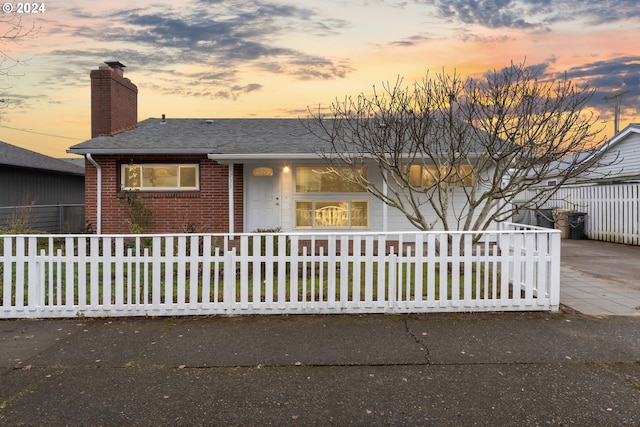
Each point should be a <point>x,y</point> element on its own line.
<point>513,369</point>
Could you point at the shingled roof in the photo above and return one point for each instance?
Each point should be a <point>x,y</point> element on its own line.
<point>220,139</point>
<point>11,155</point>
<point>243,137</point>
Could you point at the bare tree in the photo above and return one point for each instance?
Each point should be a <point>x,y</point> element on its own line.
<point>456,153</point>
<point>12,30</point>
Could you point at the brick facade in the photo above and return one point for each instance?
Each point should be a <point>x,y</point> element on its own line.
<point>114,109</point>
<point>205,210</point>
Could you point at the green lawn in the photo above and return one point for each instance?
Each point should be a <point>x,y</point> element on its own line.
<point>312,280</point>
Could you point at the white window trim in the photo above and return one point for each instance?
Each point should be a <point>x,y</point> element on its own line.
<point>165,189</point>
<point>322,193</point>
<point>444,182</point>
<point>349,202</point>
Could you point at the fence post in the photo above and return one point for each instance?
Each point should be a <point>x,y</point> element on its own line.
<point>393,264</point>
<point>294,271</point>
<point>69,281</point>
<point>554,277</point>
<point>34,285</point>
<point>229,279</point>
<point>60,219</point>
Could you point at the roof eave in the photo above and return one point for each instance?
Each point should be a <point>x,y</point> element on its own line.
<point>253,156</point>
<point>632,128</point>
<point>79,172</point>
<point>128,151</point>
<point>227,158</point>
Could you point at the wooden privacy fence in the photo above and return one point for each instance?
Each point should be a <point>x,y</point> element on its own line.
<point>41,276</point>
<point>613,211</point>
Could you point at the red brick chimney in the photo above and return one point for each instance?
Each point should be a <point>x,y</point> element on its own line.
<point>114,101</point>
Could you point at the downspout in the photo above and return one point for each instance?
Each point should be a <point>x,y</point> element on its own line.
<point>98,193</point>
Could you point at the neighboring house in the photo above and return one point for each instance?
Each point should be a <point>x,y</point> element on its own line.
<point>214,175</point>
<point>605,201</point>
<point>39,192</point>
<point>620,161</point>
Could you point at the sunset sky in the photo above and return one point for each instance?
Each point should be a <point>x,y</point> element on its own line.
<point>274,58</point>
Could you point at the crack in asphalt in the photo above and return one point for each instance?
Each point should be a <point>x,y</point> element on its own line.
<point>423,345</point>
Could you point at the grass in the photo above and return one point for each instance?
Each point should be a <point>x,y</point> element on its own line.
<point>313,282</point>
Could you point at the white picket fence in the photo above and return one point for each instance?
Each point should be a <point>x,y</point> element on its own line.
<point>42,276</point>
<point>613,211</point>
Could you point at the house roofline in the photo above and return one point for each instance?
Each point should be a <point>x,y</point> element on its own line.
<point>228,158</point>
<point>43,169</point>
<point>107,151</point>
<point>631,128</point>
<point>222,158</point>
<point>210,155</point>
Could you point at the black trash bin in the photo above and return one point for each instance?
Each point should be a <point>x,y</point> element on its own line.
<point>544,218</point>
<point>576,225</point>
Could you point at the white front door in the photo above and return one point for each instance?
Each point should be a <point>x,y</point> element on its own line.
<point>263,201</point>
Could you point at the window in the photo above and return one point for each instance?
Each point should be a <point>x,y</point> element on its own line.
<point>326,203</point>
<point>262,171</point>
<point>160,177</point>
<point>336,213</point>
<point>429,176</point>
<point>465,176</point>
<point>322,179</point>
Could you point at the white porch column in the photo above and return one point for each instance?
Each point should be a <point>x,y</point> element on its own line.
<point>231,197</point>
<point>385,207</point>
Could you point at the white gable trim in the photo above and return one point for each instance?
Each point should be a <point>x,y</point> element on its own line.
<point>632,128</point>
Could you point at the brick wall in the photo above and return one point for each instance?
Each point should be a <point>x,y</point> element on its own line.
<point>206,210</point>
<point>114,102</point>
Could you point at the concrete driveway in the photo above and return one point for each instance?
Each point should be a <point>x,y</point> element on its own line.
<point>612,262</point>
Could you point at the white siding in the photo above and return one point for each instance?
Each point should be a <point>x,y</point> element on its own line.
<point>626,156</point>
<point>396,220</point>
<point>399,222</point>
